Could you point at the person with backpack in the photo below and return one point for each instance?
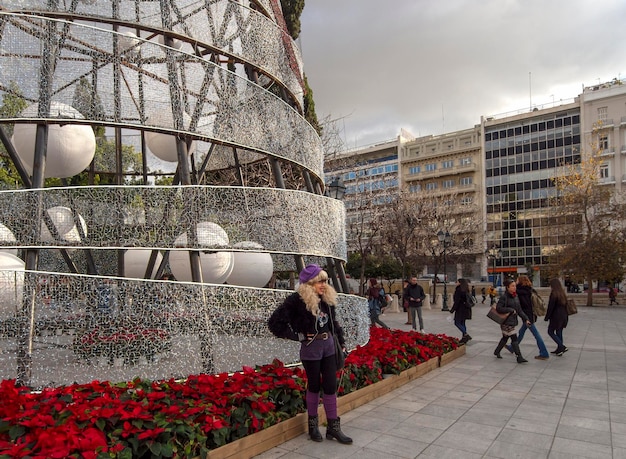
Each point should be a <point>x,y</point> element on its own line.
<point>525,291</point>
<point>374,301</point>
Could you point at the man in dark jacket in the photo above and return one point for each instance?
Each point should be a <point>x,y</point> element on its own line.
<point>414,294</point>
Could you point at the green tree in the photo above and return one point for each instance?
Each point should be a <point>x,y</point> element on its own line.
<point>13,103</point>
<point>292,10</point>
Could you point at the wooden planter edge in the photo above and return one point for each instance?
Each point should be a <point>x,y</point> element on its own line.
<point>252,445</point>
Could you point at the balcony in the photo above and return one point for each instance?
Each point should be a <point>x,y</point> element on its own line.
<point>604,124</point>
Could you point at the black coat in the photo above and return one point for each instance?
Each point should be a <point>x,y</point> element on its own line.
<point>508,303</point>
<point>461,306</point>
<point>414,291</point>
<point>523,293</point>
<point>556,314</point>
<point>291,320</point>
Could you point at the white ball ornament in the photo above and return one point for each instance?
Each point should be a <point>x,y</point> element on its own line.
<point>128,42</point>
<point>251,269</point>
<point>70,149</point>
<point>63,221</point>
<point>136,262</point>
<point>215,266</point>
<point>11,284</point>
<point>164,146</point>
<point>6,235</point>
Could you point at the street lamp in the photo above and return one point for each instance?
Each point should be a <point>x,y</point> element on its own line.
<point>336,189</point>
<point>492,254</point>
<point>444,239</point>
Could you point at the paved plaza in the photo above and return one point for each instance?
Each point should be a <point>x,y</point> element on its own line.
<point>477,406</point>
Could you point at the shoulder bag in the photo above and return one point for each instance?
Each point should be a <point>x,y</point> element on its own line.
<point>340,357</point>
<point>571,307</point>
<point>496,316</point>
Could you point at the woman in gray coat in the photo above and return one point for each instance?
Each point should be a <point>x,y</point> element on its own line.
<point>509,303</point>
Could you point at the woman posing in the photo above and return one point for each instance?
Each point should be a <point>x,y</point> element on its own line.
<point>524,292</point>
<point>509,303</point>
<point>557,315</point>
<point>462,308</point>
<point>309,316</point>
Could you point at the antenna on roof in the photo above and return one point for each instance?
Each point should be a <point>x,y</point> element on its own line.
<point>530,92</point>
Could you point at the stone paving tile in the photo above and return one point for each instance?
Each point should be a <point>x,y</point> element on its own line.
<point>577,448</point>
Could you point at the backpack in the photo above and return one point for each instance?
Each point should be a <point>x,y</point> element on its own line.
<point>539,306</point>
<point>382,297</point>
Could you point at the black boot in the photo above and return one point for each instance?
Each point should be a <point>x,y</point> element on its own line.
<point>501,344</point>
<point>314,431</point>
<point>518,353</point>
<point>334,431</point>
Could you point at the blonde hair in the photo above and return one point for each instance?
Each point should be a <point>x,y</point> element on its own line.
<point>312,299</point>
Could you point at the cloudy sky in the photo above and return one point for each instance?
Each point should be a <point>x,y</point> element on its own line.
<point>435,66</point>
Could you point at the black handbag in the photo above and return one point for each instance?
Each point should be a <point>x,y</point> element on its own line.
<point>496,316</point>
<point>340,357</point>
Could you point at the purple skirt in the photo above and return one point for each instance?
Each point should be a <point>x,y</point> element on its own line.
<point>318,348</point>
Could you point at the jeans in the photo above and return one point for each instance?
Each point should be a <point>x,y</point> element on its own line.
<point>461,326</point>
<point>557,336</point>
<point>418,311</point>
<point>543,351</point>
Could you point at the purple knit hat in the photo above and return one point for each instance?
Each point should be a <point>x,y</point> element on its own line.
<point>309,272</point>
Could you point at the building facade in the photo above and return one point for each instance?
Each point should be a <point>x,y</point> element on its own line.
<point>522,153</point>
<point>503,167</point>
<point>449,167</point>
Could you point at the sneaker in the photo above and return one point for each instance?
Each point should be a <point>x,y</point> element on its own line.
<point>565,349</point>
<point>541,357</point>
<point>422,331</point>
<point>560,353</point>
<point>556,351</point>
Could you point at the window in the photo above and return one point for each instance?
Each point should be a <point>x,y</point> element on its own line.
<point>603,141</point>
<point>431,167</point>
<point>415,188</point>
<point>465,161</point>
<point>431,186</point>
<point>466,200</point>
<point>449,164</point>
<point>603,113</point>
<point>414,170</point>
<point>465,181</point>
<point>447,183</point>
<point>604,171</point>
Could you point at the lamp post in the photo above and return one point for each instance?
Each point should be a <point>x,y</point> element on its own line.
<point>494,253</point>
<point>444,239</point>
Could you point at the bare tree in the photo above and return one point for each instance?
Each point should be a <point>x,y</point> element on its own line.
<point>593,237</point>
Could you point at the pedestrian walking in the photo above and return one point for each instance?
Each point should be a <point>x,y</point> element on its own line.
<point>509,303</point>
<point>556,316</point>
<point>524,293</point>
<point>462,309</point>
<point>612,296</point>
<point>374,301</point>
